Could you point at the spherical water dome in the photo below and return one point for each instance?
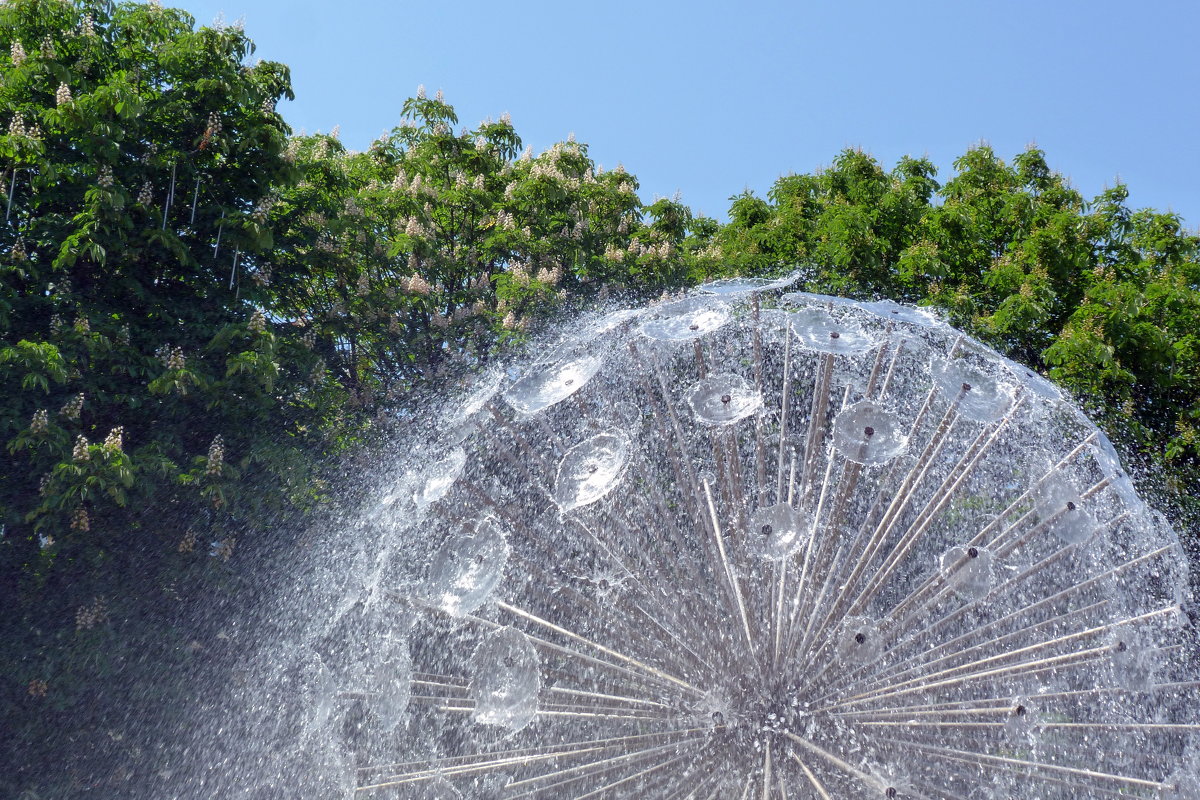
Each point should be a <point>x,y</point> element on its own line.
<point>716,551</point>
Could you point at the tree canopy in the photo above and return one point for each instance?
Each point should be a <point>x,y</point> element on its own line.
<point>1103,299</point>
<point>202,315</point>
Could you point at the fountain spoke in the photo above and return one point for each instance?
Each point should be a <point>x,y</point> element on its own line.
<point>816,784</point>
<point>643,667</point>
<point>1034,767</point>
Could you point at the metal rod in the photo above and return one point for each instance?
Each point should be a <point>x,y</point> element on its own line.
<point>595,645</point>
<point>899,499</point>
<point>729,574</point>
<point>635,776</point>
<point>1075,771</point>
<point>1052,661</point>
<point>1087,584</point>
<point>887,379</point>
<point>811,556</point>
<point>170,199</point>
<point>12,188</point>
<point>880,355</point>
<point>195,197</point>
<point>760,452</point>
<point>237,252</point>
<point>812,779</point>
<point>535,640</point>
<point>566,748</point>
<point>870,780</point>
<point>783,409</point>
<point>645,592</point>
<point>1058,620</point>
<point>766,786</point>
<point>1092,789</point>
<point>1025,495</point>
<point>816,424</point>
<point>924,679</point>
<point>1090,726</point>
<point>915,477</point>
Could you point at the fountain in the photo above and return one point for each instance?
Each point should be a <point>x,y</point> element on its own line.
<point>755,545</point>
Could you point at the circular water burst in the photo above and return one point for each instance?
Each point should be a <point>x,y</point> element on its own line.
<point>749,558</point>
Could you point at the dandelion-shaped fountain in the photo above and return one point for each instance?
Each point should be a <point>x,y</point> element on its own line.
<point>749,545</point>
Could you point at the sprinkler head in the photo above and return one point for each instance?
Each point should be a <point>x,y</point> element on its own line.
<point>834,335</point>
<point>972,552</point>
<point>859,638</point>
<point>868,431</point>
<point>966,387</point>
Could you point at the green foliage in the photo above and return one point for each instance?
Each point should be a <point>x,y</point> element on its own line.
<point>138,159</point>
<point>1103,299</point>
<point>139,163</point>
<point>419,258</point>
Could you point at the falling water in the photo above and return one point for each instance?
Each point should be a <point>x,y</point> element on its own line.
<point>746,545</point>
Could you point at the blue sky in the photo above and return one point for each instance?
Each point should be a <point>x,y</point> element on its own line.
<point>708,99</point>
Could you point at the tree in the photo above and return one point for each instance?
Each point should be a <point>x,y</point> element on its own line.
<point>418,259</point>
<point>143,397</point>
<point>1101,298</point>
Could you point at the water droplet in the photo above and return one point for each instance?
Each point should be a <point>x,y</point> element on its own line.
<point>590,470</point>
<point>816,329</point>
<point>980,397</point>
<point>896,312</point>
<point>784,531</point>
<point>723,399</point>
<point>505,679</point>
<point>468,566</point>
<point>546,385</point>
<point>859,640</point>
<point>1059,506</point>
<point>732,287</point>
<point>866,434</point>
<point>390,683</point>
<point>967,570</point>
<point>440,477</point>
<point>686,319</point>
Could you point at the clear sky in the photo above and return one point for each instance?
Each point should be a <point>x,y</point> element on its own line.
<point>710,98</point>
